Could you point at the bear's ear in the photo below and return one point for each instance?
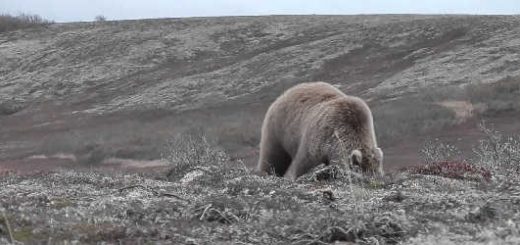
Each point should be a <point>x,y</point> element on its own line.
<point>355,157</point>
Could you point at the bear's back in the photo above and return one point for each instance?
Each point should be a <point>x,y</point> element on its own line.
<point>292,111</point>
<point>311,94</point>
<point>317,104</point>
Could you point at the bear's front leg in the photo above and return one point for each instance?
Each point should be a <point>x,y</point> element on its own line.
<point>301,164</point>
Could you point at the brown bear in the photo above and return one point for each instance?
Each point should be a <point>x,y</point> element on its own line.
<point>314,123</point>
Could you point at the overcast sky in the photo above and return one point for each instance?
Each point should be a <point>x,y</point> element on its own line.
<point>86,10</point>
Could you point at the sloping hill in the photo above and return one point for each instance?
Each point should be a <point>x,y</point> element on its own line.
<point>127,86</point>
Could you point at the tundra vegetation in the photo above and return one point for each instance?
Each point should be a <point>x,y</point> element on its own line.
<point>208,198</point>
<point>133,83</point>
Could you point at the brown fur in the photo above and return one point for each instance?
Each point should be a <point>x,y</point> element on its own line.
<point>309,124</point>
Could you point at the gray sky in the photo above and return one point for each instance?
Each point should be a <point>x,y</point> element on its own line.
<point>86,10</point>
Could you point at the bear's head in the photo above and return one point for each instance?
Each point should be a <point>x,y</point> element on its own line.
<point>369,160</point>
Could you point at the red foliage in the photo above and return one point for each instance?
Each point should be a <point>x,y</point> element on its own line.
<point>455,170</point>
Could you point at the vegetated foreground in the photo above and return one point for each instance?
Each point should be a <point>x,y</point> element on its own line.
<point>207,198</point>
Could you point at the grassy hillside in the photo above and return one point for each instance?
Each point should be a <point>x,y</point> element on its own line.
<point>124,88</point>
<point>180,64</point>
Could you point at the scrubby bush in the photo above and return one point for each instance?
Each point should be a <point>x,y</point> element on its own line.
<point>191,151</point>
<point>10,23</point>
<point>100,18</point>
<point>499,153</point>
<point>436,151</point>
<point>495,156</point>
<point>192,148</point>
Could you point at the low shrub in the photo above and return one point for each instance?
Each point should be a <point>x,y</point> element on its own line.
<point>495,156</point>
<point>435,151</point>
<point>190,151</point>
<point>499,153</point>
<point>10,23</point>
<point>100,18</point>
